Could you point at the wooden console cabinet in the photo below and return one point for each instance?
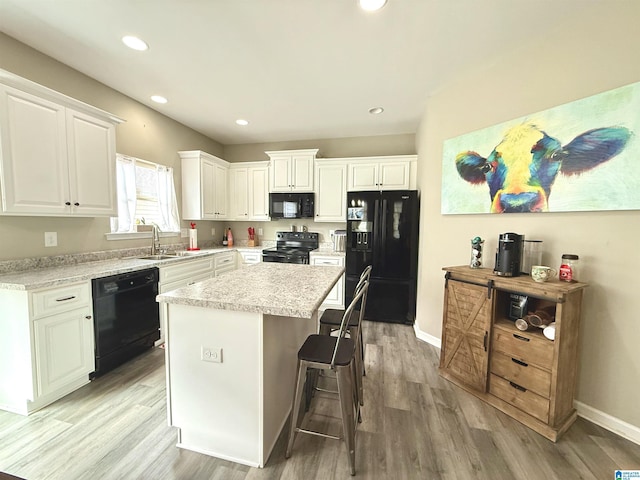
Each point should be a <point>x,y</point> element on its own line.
<point>522,373</point>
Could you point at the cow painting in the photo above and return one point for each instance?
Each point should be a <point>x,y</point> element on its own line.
<point>521,169</point>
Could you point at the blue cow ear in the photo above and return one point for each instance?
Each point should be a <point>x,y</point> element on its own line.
<point>592,148</point>
<point>471,167</point>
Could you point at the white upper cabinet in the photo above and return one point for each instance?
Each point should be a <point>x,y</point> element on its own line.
<point>259,191</point>
<point>238,193</point>
<point>382,173</point>
<point>57,155</point>
<point>291,170</point>
<point>204,186</point>
<point>249,191</point>
<point>331,190</point>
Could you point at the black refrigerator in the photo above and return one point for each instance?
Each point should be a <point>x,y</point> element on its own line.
<point>382,231</point>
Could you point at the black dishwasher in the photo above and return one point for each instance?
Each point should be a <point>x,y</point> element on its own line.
<point>126,317</point>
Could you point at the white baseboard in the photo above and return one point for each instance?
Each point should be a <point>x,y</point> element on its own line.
<point>613,424</point>
<point>604,420</point>
<point>425,337</point>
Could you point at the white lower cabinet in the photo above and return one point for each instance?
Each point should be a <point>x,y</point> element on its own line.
<point>224,262</point>
<point>250,257</point>
<point>63,350</point>
<point>335,298</point>
<point>46,345</point>
<point>180,275</point>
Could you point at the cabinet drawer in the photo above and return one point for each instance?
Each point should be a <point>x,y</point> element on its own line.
<point>524,346</point>
<point>528,376</point>
<point>520,397</point>
<point>224,261</point>
<point>60,299</point>
<point>327,261</point>
<point>185,270</point>
<point>251,257</point>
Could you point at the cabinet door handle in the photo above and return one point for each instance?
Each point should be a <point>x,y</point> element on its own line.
<point>484,340</point>
<point>64,299</point>
<point>519,337</point>
<point>519,362</point>
<point>88,317</point>
<point>68,204</point>
<point>77,204</point>
<point>517,387</point>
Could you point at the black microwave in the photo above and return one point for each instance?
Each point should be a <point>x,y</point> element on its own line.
<point>291,205</point>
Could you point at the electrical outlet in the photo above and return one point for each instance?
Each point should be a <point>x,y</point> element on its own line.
<point>213,231</point>
<point>50,239</point>
<point>331,233</point>
<point>260,231</point>
<point>184,232</point>
<point>209,354</point>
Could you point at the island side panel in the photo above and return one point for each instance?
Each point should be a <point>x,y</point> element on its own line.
<point>283,337</point>
<point>216,405</point>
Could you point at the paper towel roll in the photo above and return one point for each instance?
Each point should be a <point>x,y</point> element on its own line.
<point>193,239</point>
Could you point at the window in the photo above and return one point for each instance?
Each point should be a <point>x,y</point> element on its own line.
<point>146,195</point>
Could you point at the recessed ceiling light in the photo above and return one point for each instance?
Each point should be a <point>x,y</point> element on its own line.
<point>372,5</point>
<point>376,110</point>
<point>158,99</point>
<point>135,43</point>
<point>242,122</point>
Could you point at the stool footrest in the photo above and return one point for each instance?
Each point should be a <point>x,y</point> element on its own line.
<point>317,434</point>
<point>318,389</point>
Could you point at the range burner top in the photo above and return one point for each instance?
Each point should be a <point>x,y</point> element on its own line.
<point>291,247</point>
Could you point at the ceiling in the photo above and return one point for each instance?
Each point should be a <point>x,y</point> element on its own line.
<point>295,69</point>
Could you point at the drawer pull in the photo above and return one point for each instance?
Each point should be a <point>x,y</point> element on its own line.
<point>64,299</point>
<point>517,387</point>
<point>519,362</point>
<point>519,337</point>
<point>484,340</point>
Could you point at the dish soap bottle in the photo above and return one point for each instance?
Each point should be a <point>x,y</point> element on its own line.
<point>229,238</point>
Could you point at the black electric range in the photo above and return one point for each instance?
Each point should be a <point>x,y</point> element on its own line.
<point>291,247</point>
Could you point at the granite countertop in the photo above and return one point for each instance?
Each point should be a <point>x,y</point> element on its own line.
<point>272,288</point>
<point>63,274</point>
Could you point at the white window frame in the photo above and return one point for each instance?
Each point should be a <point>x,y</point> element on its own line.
<point>124,204</point>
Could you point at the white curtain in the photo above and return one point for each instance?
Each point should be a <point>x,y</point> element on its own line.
<point>167,200</point>
<point>126,188</point>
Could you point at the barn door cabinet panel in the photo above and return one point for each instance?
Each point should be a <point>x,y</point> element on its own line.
<point>522,373</point>
<point>467,314</point>
<point>291,170</point>
<point>57,154</point>
<point>204,186</point>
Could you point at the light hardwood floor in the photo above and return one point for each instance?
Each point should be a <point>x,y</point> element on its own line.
<point>415,426</point>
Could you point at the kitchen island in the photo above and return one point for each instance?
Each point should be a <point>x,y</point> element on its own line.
<point>231,354</point>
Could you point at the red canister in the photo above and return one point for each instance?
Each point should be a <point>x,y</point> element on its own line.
<point>569,267</point>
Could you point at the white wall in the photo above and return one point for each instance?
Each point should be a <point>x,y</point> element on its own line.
<point>595,52</point>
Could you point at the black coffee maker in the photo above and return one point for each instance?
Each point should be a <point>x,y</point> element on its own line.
<point>509,255</point>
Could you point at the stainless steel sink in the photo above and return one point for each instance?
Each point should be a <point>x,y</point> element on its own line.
<point>163,256</point>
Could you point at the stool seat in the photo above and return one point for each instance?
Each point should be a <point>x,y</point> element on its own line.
<point>333,317</point>
<point>319,349</point>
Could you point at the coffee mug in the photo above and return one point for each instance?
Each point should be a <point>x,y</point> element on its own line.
<point>540,273</point>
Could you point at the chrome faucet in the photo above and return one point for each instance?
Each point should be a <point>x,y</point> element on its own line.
<point>155,240</point>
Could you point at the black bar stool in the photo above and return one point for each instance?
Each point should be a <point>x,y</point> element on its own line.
<point>330,322</point>
<point>326,352</point>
